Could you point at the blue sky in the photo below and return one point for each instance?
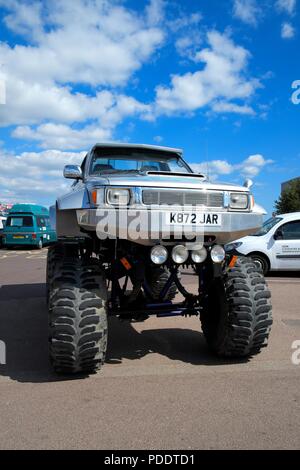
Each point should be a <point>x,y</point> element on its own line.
<point>213,77</point>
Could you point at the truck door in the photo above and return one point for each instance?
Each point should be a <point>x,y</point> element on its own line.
<point>287,246</point>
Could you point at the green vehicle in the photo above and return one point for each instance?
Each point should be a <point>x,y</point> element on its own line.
<point>28,224</point>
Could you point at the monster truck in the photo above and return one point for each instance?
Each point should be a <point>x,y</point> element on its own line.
<point>135,218</point>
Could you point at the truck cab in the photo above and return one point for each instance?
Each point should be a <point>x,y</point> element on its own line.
<point>28,225</point>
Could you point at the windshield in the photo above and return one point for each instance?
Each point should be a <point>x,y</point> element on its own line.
<point>124,162</point>
<point>267,226</point>
<point>19,221</point>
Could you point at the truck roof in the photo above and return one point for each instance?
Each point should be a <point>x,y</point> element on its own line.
<point>138,146</point>
<point>29,208</point>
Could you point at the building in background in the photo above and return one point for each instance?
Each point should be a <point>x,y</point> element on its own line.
<point>4,209</point>
<point>286,183</point>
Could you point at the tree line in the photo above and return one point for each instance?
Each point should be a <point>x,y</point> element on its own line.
<point>289,200</point>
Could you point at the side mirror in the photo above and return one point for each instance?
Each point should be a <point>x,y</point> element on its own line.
<point>73,172</point>
<point>248,183</point>
<point>278,235</point>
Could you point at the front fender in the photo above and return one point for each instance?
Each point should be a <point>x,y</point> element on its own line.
<point>76,199</point>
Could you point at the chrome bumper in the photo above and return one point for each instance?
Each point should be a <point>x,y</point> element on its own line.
<point>148,227</point>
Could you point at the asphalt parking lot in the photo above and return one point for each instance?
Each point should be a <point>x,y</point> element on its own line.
<point>160,388</point>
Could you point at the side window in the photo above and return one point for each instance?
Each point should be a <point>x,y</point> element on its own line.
<point>291,230</point>
<point>41,221</point>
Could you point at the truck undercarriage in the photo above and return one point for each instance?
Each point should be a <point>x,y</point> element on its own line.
<point>232,299</point>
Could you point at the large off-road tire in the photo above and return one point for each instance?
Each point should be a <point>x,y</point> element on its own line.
<point>237,313</point>
<point>157,279</point>
<point>77,316</point>
<point>54,256</point>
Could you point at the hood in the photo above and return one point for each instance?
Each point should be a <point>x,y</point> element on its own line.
<point>171,180</point>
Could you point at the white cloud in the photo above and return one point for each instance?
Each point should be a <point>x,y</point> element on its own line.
<point>155,12</point>
<point>184,21</point>
<point>223,77</point>
<point>92,42</point>
<point>253,165</point>
<point>61,136</point>
<point>187,46</point>
<point>224,107</point>
<point>111,110</point>
<point>287,6</point>
<point>287,31</point>
<point>250,167</point>
<point>247,11</point>
<point>23,19</point>
<point>87,41</point>
<point>35,177</point>
<point>213,167</point>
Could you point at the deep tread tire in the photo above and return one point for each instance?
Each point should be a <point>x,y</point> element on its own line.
<point>77,317</point>
<point>54,256</point>
<point>157,280</point>
<point>237,314</point>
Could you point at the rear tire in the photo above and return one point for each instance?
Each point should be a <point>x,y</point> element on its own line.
<point>77,316</point>
<point>237,313</point>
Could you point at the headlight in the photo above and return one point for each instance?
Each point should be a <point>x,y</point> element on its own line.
<point>180,254</point>
<point>158,254</point>
<point>118,197</point>
<point>239,201</point>
<point>199,256</point>
<point>233,246</point>
<point>217,254</point>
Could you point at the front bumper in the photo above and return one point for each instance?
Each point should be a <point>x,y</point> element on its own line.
<point>147,227</point>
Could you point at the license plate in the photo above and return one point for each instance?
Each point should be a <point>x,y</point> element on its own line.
<point>18,236</point>
<point>194,218</point>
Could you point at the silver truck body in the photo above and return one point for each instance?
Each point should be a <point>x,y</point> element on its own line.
<point>156,196</point>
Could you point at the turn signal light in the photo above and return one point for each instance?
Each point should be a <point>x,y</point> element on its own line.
<point>94,196</point>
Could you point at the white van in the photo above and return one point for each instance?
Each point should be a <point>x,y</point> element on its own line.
<point>275,247</point>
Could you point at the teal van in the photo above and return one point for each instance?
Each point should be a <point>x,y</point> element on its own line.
<point>28,224</point>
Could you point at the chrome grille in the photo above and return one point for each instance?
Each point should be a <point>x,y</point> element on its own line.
<point>182,198</point>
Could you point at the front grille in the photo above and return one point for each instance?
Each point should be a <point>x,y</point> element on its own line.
<point>183,198</point>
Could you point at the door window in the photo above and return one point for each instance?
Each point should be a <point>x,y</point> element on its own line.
<point>291,230</point>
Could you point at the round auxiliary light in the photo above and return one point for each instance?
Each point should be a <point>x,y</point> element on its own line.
<point>217,254</point>
<point>200,255</point>
<point>180,254</point>
<point>158,254</point>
